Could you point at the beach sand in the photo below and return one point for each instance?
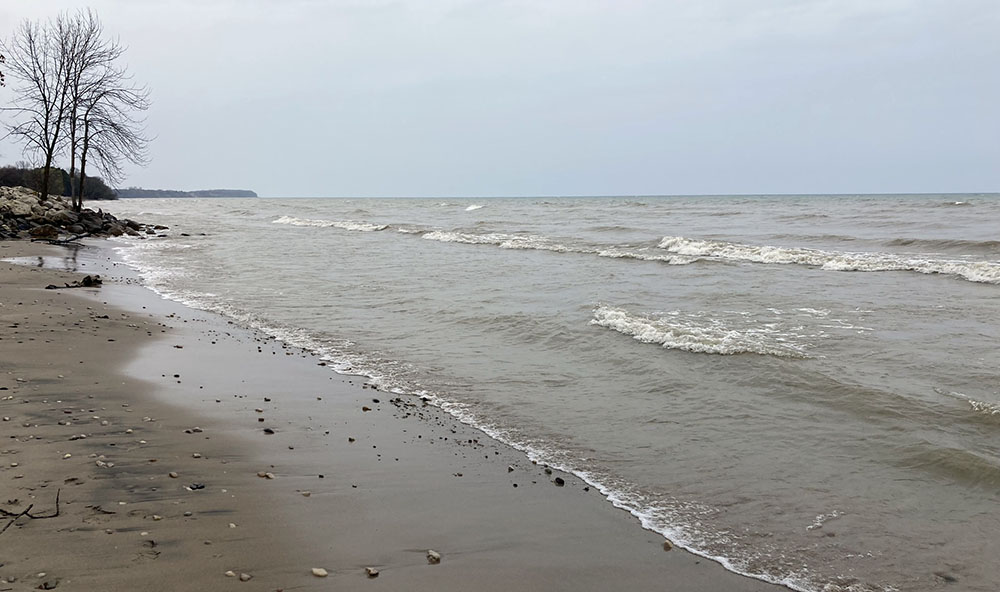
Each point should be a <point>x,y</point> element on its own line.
<point>164,491</point>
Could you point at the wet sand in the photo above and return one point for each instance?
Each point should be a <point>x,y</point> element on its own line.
<point>281,465</point>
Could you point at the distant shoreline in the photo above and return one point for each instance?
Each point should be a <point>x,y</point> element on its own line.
<point>134,192</point>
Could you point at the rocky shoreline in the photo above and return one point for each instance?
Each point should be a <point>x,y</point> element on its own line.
<point>24,215</point>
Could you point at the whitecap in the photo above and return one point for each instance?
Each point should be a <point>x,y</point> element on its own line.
<point>700,335</point>
<point>973,271</point>
<point>342,224</point>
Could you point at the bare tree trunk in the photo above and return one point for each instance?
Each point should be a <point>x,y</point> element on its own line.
<point>78,200</point>
<point>44,189</point>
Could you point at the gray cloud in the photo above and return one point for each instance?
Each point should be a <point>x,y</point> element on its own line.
<point>466,97</point>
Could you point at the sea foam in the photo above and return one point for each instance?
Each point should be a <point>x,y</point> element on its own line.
<point>696,334</point>
<point>973,271</point>
<point>342,224</point>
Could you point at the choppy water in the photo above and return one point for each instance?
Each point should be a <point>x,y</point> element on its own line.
<point>806,389</point>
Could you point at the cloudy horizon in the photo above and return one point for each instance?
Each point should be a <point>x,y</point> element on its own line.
<point>507,98</point>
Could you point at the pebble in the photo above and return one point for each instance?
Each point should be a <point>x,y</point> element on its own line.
<point>196,455</point>
<point>230,574</point>
<point>67,455</point>
<point>433,556</point>
<point>172,474</point>
<point>372,572</point>
<point>157,517</point>
<point>667,546</point>
<point>129,431</point>
<point>188,513</point>
<point>319,572</point>
<point>559,481</point>
<point>306,493</point>
<point>245,577</point>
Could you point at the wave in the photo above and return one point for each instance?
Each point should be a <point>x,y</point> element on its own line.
<point>973,271</point>
<point>343,224</point>
<point>502,240</point>
<point>945,244</point>
<point>966,466</point>
<point>473,208</point>
<point>541,243</point>
<point>983,409</point>
<point>695,334</point>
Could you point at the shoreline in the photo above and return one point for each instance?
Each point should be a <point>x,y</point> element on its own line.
<point>412,479</point>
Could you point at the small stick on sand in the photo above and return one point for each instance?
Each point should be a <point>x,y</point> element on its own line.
<point>13,520</point>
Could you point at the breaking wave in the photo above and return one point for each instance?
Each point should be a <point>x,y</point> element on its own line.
<point>973,271</point>
<point>342,224</point>
<point>693,333</point>
<point>541,243</point>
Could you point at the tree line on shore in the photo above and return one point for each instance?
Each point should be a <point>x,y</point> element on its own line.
<point>71,99</point>
<point>59,182</point>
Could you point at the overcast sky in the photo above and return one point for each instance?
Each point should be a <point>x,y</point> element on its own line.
<point>560,97</point>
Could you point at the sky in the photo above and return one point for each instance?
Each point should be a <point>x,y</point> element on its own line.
<point>479,98</point>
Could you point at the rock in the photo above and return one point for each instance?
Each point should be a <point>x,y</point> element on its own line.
<point>372,572</point>
<point>245,577</point>
<point>319,572</point>
<point>230,574</point>
<point>172,474</point>
<point>667,546</point>
<point>433,556</point>
<point>559,481</point>
<point>510,468</point>
<point>45,231</point>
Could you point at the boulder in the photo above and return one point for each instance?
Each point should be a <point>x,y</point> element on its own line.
<point>45,231</point>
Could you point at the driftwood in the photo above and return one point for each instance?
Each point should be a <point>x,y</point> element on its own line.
<point>87,282</point>
<point>65,241</point>
<point>27,512</point>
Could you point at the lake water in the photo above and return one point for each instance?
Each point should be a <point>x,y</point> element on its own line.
<point>803,388</point>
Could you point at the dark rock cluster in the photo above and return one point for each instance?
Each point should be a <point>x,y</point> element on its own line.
<point>24,215</point>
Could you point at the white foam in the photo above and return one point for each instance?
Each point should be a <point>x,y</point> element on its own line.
<point>973,271</point>
<point>699,335</point>
<point>504,241</point>
<point>473,208</point>
<point>342,224</point>
<point>541,243</point>
<point>822,519</point>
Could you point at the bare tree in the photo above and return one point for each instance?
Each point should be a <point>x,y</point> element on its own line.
<point>103,107</point>
<point>111,133</point>
<point>38,56</point>
<point>72,95</point>
<point>92,71</point>
<point>2,60</point>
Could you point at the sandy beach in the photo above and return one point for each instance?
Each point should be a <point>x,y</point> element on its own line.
<point>187,453</point>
